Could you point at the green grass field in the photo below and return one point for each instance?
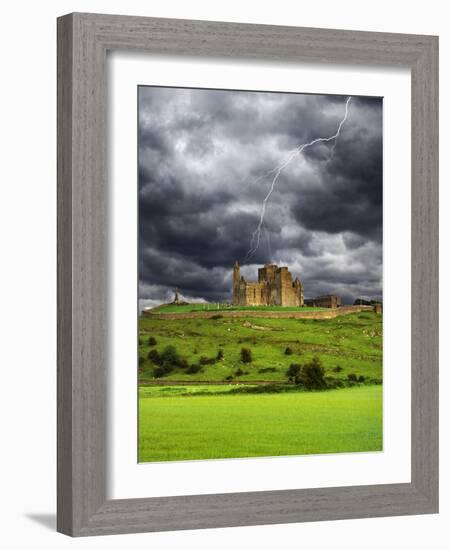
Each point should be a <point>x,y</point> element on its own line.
<point>202,415</point>
<point>353,343</point>
<point>182,427</point>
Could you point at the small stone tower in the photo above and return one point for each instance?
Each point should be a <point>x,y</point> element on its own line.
<point>176,300</point>
<point>236,279</point>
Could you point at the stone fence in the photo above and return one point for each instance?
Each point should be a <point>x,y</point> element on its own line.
<point>329,313</point>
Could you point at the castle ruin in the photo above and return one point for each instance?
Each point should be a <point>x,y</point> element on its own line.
<point>275,287</point>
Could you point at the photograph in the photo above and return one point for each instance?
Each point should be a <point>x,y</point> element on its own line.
<point>260,273</point>
<point>231,235</point>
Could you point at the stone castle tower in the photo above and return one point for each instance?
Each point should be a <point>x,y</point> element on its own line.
<point>275,287</point>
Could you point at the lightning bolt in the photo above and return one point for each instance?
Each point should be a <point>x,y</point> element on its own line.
<point>256,235</point>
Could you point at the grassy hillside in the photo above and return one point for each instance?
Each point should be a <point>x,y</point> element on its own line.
<point>350,344</point>
<point>176,426</point>
<point>189,308</point>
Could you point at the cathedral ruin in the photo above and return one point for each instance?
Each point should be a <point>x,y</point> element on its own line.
<point>275,287</point>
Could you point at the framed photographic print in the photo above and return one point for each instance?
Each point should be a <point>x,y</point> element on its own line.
<point>247,269</point>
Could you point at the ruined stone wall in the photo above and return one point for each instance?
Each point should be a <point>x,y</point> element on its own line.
<point>329,313</point>
<point>266,294</point>
<point>242,293</point>
<point>254,294</point>
<point>287,291</point>
<point>301,295</point>
<point>266,274</point>
<point>249,294</point>
<point>329,300</point>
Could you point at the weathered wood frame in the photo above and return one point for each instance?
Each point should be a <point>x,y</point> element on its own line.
<point>83,40</point>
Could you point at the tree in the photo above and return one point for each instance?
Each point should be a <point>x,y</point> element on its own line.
<point>312,375</point>
<point>154,357</point>
<point>165,361</point>
<point>194,368</point>
<point>246,355</point>
<point>159,371</point>
<point>152,341</point>
<point>293,370</point>
<point>169,357</point>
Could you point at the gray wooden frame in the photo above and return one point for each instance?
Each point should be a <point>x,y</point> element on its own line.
<point>83,40</point>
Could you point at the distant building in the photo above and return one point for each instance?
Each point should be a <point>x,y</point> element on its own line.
<point>327,300</point>
<point>176,299</point>
<point>363,302</point>
<point>275,287</point>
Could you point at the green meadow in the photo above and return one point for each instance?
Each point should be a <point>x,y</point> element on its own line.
<point>188,427</point>
<point>211,404</point>
<point>350,344</point>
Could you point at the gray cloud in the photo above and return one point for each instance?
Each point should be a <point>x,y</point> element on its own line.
<point>201,157</point>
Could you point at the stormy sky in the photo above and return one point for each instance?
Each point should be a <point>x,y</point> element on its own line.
<point>203,161</point>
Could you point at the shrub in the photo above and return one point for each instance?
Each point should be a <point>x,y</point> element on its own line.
<point>240,372</point>
<point>194,368</point>
<point>263,388</point>
<point>246,355</point>
<point>352,377</point>
<point>154,357</point>
<point>312,375</point>
<point>219,355</point>
<point>151,341</point>
<point>169,356</point>
<point>330,381</point>
<point>337,368</point>
<point>206,360</point>
<point>288,351</point>
<point>160,371</point>
<point>228,378</point>
<point>293,370</point>
<point>215,317</point>
<point>141,360</point>
<point>168,359</point>
<point>334,382</point>
<point>361,379</point>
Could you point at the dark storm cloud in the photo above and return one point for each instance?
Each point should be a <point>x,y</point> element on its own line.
<point>201,157</point>
<point>351,197</point>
